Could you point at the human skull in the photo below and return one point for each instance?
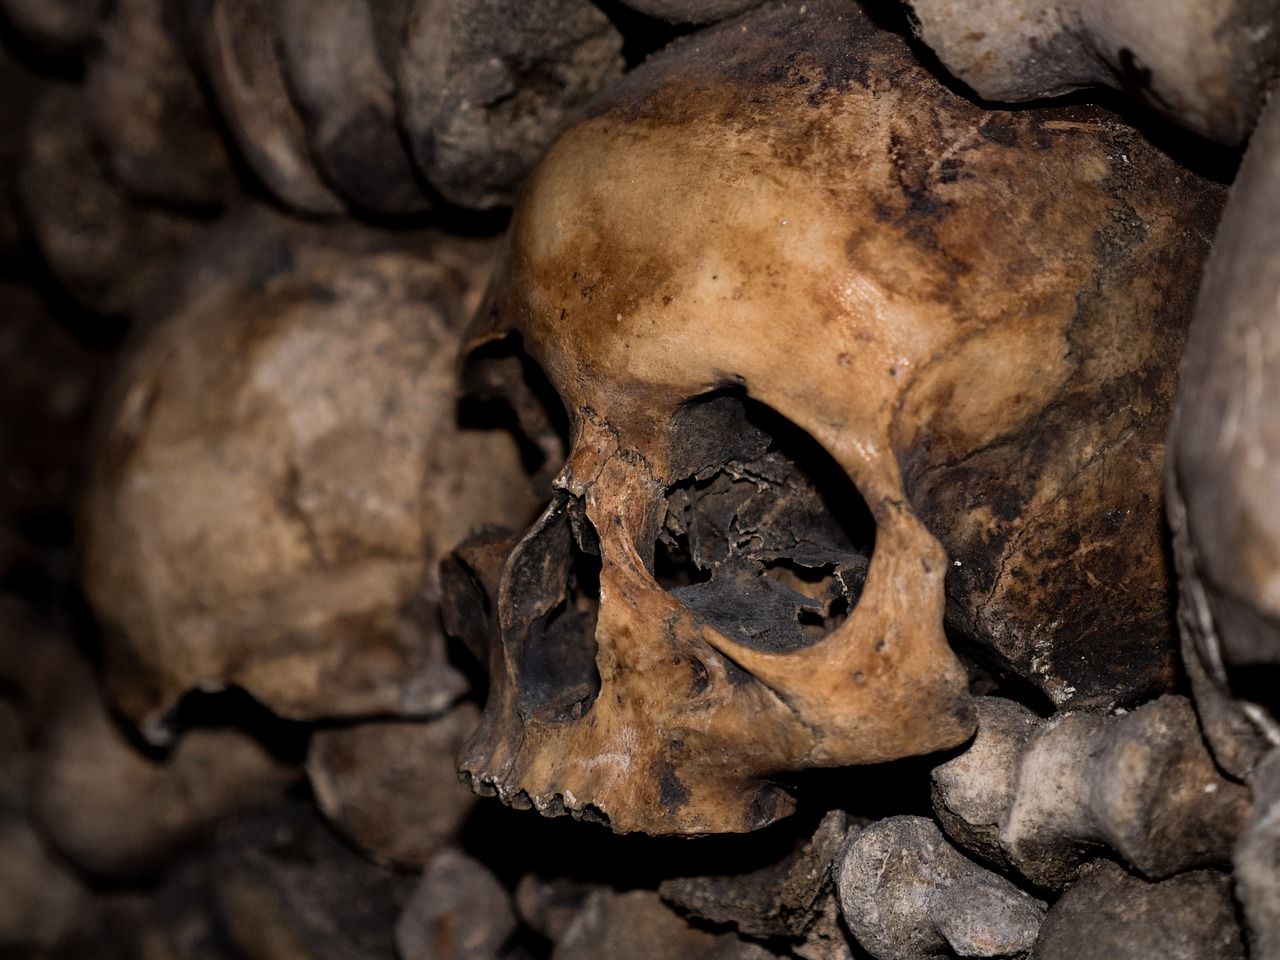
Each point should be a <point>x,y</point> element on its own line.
<point>796,297</point>
<point>1224,471</point>
<point>280,470</point>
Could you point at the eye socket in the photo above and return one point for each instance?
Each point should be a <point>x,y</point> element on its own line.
<point>765,536</point>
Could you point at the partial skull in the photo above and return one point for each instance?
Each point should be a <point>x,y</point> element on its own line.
<point>842,352</point>
<point>281,470</point>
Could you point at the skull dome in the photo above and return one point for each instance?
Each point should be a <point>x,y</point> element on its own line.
<point>280,469</point>
<point>851,365</point>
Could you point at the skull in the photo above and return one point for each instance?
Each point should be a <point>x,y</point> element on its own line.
<point>841,353</point>
<point>280,469</point>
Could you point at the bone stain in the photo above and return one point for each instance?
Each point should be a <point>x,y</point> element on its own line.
<point>765,537</point>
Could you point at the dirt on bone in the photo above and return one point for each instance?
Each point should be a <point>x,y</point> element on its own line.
<point>765,538</point>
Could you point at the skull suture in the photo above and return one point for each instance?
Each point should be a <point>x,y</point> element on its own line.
<point>779,252</point>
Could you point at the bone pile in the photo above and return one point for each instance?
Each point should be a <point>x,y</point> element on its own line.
<point>639,479</point>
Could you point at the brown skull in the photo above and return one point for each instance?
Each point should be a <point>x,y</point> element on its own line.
<point>797,297</point>
<point>281,468</point>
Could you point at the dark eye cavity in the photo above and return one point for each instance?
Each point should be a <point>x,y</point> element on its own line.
<point>765,536</point>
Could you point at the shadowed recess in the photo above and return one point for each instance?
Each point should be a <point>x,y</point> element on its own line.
<point>765,536</point>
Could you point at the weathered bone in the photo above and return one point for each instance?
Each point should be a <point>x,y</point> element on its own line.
<point>1046,795</point>
<point>1224,469</point>
<point>22,88</point>
<point>146,109</point>
<point>38,664</point>
<point>459,911</point>
<point>177,921</point>
<point>907,894</point>
<point>794,899</point>
<point>635,925</point>
<point>286,538</point>
<point>234,43</point>
<point>751,336</point>
<point>392,787</point>
<point>284,886</point>
<point>62,28</point>
<point>340,76</point>
<point>1205,63</point>
<point>41,901</point>
<point>487,84</point>
<point>548,905</point>
<point>1257,862</point>
<point>692,11</point>
<point>781,900</point>
<point>736,948</point>
<point>104,248</point>
<point>117,813</point>
<point>1111,915</point>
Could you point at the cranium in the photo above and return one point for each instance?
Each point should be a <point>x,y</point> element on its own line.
<point>280,469</point>
<point>779,267</point>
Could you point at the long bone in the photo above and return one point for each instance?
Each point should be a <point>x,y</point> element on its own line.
<point>1044,796</point>
<point>907,894</point>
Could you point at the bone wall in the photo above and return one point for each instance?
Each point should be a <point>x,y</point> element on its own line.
<point>564,479</point>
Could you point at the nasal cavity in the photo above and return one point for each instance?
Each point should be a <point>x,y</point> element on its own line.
<point>504,388</point>
<point>765,537</point>
<point>552,599</point>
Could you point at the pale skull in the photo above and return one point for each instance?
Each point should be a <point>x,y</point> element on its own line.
<point>784,250</point>
<point>280,469</point>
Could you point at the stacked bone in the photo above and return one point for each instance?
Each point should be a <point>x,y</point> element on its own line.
<point>732,336</point>
<point>350,105</point>
<point>281,450</point>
